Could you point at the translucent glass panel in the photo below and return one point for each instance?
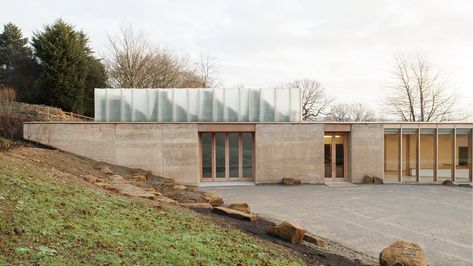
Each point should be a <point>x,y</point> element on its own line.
<point>114,105</point>
<point>463,155</point>
<point>391,155</point>
<point>233,155</point>
<point>247,154</point>
<point>409,155</point>
<point>427,155</point>
<point>232,103</point>
<point>100,106</point>
<point>198,105</point>
<point>140,105</point>
<point>445,154</point>
<point>220,155</point>
<point>206,140</point>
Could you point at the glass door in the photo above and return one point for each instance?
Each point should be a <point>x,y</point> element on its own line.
<point>227,156</point>
<point>335,156</point>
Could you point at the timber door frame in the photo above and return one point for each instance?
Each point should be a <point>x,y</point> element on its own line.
<point>227,177</point>
<point>333,154</point>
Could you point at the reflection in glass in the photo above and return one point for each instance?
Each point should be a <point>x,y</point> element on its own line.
<point>220,155</point>
<point>328,156</point>
<point>233,146</point>
<point>409,155</point>
<point>427,155</point>
<point>339,156</point>
<point>463,155</point>
<point>247,146</point>
<point>391,155</point>
<point>207,155</point>
<point>445,154</point>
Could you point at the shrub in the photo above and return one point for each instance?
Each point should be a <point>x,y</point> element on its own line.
<point>6,144</point>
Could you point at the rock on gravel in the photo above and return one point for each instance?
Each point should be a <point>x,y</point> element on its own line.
<point>234,213</point>
<point>197,205</point>
<point>402,253</point>
<point>214,199</point>
<point>243,207</point>
<point>288,231</point>
<point>314,240</point>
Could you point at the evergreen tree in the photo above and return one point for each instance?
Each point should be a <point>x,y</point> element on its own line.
<point>96,78</point>
<point>64,55</point>
<point>18,68</point>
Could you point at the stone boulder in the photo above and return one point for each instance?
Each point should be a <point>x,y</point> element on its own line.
<point>134,191</point>
<point>117,179</point>
<point>234,213</point>
<point>214,199</point>
<point>402,253</point>
<point>243,207</point>
<point>289,181</point>
<point>106,170</point>
<point>196,205</point>
<point>367,179</point>
<point>448,182</point>
<point>377,180</point>
<point>179,187</point>
<point>288,231</point>
<point>89,178</point>
<point>164,199</point>
<point>314,240</point>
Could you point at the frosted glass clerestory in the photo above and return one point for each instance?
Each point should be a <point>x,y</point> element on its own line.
<point>198,105</point>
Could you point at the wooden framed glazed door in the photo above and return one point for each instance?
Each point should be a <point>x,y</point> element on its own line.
<point>226,156</point>
<point>335,154</point>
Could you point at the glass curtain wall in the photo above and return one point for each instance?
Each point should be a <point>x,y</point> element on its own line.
<point>427,155</point>
<point>445,154</point>
<point>463,156</point>
<point>198,105</point>
<point>391,155</point>
<point>441,152</point>
<point>409,155</point>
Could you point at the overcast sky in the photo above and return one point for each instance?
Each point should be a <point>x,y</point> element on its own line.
<point>347,45</point>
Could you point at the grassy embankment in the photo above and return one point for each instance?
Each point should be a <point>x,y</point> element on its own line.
<point>49,218</point>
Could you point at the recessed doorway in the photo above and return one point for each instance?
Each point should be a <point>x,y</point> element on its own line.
<point>335,154</point>
<point>227,156</point>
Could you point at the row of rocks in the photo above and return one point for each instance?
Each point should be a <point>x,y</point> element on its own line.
<point>367,179</point>
<point>399,253</point>
<point>289,181</point>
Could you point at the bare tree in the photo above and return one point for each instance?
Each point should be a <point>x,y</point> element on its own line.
<point>315,102</point>
<point>133,62</point>
<point>206,70</point>
<point>351,113</point>
<point>419,93</point>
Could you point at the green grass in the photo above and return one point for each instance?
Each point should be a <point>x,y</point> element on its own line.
<point>64,222</point>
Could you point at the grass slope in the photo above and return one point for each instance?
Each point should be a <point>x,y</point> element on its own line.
<point>47,217</point>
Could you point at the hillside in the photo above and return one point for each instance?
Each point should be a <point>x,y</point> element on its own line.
<point>51,216</point>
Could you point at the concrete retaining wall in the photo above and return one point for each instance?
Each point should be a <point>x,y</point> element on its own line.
<point>169,150</point>
<point>289,150</point>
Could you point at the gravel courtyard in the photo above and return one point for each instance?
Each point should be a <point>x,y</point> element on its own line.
<point>370,217</point>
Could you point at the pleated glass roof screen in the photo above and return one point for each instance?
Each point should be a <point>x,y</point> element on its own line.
<point>198,105</point>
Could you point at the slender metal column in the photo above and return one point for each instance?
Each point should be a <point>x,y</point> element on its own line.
<point>400,154</point>
<point>454,172</point>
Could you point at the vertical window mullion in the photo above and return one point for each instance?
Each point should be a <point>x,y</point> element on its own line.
<point>227,157</point>
<point>240,155</point>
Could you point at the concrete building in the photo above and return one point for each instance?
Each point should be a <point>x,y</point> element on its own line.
<point>242,135</point>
